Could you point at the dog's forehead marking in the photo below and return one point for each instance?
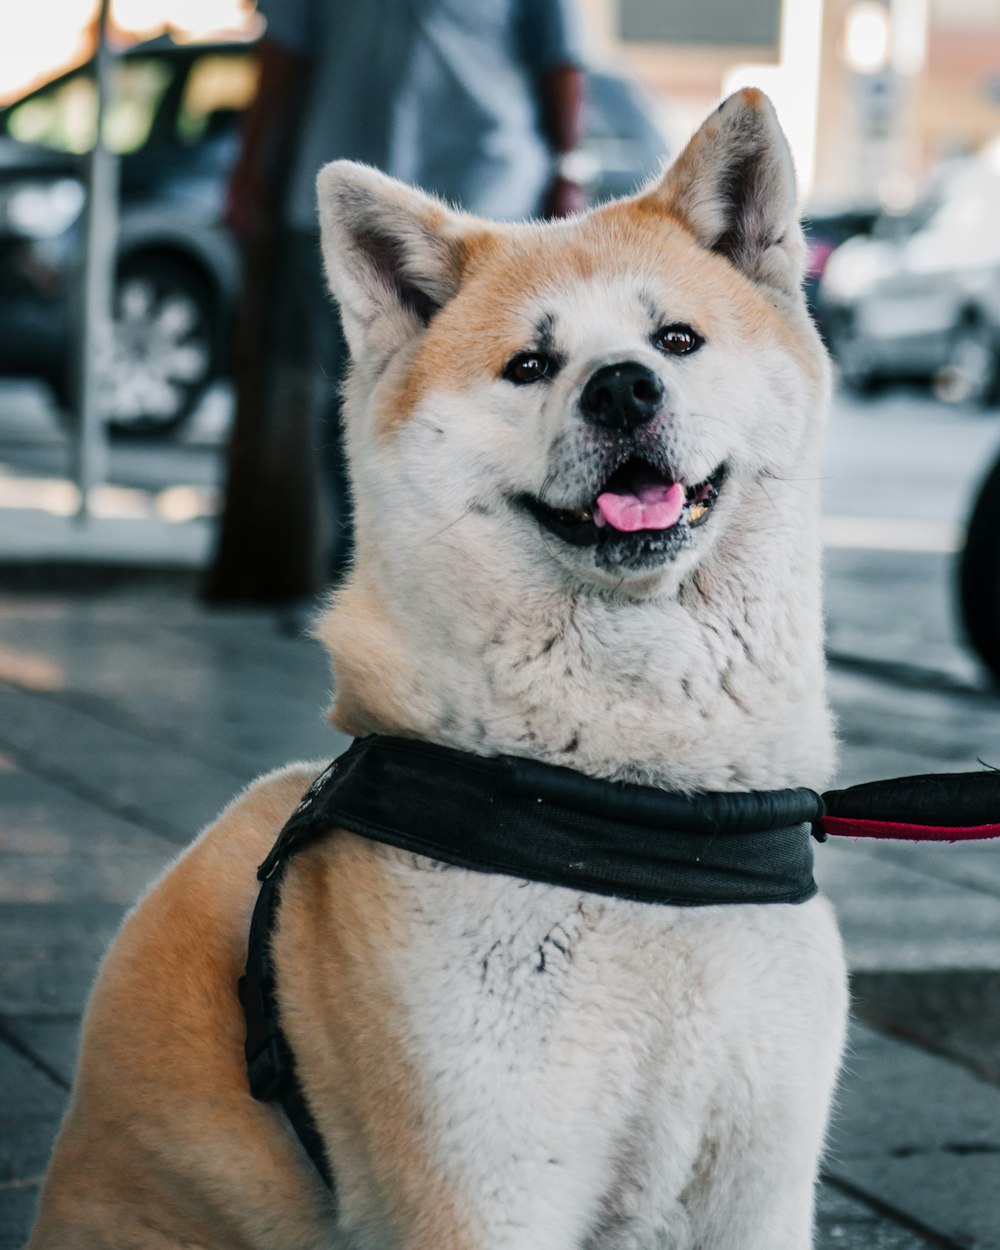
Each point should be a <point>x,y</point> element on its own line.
<point>594,317</point>
<point>516,277</point>
<point>544,337</point>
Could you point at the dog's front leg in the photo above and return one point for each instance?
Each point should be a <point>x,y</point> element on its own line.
<point>484,1176</point>
<point>762,1195</point>
<point>753,1184</point>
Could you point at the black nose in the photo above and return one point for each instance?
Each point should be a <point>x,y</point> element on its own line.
<point>622,396</point>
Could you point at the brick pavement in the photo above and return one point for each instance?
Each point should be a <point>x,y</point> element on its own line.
<point>127,718</point>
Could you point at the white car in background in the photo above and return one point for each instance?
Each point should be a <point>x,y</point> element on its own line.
<point>920,297</point>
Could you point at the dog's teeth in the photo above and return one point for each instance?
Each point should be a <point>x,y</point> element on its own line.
<point>696,512</point>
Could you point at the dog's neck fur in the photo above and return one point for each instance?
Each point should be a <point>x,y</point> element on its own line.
<point>467,629</point>
<point>717,686</point>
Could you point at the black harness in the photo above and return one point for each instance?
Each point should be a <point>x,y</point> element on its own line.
<point>540,822</point>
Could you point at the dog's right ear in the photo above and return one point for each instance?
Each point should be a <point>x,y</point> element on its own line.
<point>393,255</point>
<point>733,186</point>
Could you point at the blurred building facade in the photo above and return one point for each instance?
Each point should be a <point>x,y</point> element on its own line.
<point>872,92</point>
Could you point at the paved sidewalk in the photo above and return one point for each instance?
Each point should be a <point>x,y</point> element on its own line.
<point>128,717</point>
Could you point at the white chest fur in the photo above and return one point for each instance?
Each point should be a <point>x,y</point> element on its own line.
<point>616,1076</point>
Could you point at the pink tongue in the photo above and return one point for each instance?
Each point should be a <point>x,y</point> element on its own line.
<point>653,507</point>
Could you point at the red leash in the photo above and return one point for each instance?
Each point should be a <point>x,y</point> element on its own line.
<point>844,827</point>
<point>936,807</point>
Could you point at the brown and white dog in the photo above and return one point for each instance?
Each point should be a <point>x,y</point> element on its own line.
<point>622,581</point>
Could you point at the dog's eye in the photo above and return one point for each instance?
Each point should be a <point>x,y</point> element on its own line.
<point>528,367</point>
<point>677,340</point>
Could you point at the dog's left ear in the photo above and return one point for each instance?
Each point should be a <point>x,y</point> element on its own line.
<point>393,255</point>
<point>733,186</point>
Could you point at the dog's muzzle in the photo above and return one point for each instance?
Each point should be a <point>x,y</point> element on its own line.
<point>640,516</point>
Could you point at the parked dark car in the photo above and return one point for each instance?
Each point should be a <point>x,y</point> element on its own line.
<point>174,119</point>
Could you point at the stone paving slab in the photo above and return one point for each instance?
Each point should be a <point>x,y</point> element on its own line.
<point>152,654</point>
<point>50,954</point>
<point>970,865</point>
<point>895,916</point>
<point>844,1222</point>
<point>921,1136</point>
<point>51,1041</point>
<point>901,611</point>
<point>30,1111</point>
<point>953,1012</point>
<point>168,790</point>
<point>248,704</point>
<point>926,726</point>
<point>42,817</point>
<point>17,1207</point>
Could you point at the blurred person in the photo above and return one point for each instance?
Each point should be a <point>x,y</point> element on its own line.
<point>479,101</point>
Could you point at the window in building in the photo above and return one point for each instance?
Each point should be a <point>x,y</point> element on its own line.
<point>752,22</point>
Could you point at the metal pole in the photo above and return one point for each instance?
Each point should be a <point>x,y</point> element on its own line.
<point>97,285</point>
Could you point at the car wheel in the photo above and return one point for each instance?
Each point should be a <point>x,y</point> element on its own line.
<point>979,574</point>
<point>970,374</point>
<point>162,352</point>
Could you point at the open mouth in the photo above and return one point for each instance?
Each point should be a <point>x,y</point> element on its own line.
<point>639,510</point>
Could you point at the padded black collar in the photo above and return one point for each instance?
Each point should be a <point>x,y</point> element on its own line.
<point>545,823</point>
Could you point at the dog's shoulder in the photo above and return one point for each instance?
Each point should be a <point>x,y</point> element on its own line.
<point>211,887</point>
<point>246,829</point>
<point>194,920</point>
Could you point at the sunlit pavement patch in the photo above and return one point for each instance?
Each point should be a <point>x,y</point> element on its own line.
<point>59,497</point>
<point>892,534</point>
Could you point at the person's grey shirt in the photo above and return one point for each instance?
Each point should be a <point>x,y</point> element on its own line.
<point>439,93</point>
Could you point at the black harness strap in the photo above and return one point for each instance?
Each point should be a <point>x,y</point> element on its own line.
<point>270,1062</point>
<point>540,822</point>
<point>531,820</point>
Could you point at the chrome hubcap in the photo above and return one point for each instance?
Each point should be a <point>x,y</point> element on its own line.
<point>159,354</point>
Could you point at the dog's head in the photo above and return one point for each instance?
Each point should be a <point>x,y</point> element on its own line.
<point>589,404</point>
